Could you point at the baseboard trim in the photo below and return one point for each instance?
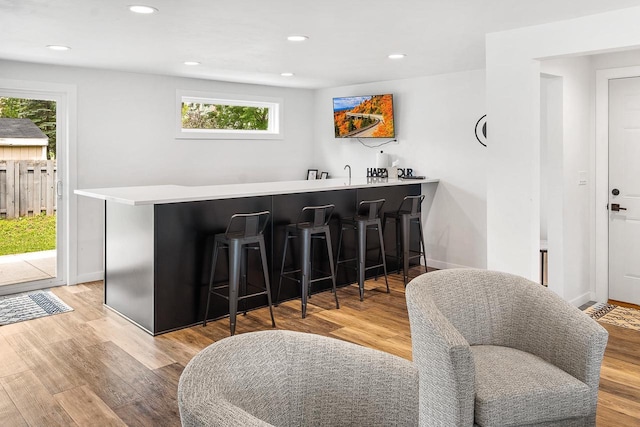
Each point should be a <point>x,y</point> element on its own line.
<point>582,299</point>
<point>442,265</point>
<point>88,277</point>
<point>16,288</point>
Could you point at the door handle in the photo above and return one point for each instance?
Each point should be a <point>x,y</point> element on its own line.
<point>616,207</point>
<point>59,189</point>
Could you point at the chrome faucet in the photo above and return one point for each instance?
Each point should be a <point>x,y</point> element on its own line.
<point>348,166</point>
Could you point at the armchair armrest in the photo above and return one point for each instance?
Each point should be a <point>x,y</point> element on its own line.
<point>445,363</point>
<point>226,414</point>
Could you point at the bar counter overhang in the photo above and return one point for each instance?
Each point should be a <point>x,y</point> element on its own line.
<point>158,239</point>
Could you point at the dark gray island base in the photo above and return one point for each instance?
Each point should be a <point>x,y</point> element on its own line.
<point>158,255</point>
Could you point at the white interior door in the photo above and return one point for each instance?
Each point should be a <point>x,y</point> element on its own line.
<point>624,189</point>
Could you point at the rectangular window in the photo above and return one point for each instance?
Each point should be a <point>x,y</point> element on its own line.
<point>225,116</point>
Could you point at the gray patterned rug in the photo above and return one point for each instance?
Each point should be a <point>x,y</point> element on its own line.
<point>19,307</point>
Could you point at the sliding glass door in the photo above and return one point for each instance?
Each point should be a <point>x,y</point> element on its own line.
<point>33,138</point>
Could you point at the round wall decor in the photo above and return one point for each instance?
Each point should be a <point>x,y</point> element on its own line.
<point>481,130</point>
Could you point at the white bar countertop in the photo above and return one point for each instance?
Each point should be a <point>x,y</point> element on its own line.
<point>161,194</point>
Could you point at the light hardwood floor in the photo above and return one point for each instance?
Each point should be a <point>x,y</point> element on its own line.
<point>90,367</point>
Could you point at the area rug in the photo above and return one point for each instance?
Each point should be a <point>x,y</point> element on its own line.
<point>615,315</point>
<point>20,307</point>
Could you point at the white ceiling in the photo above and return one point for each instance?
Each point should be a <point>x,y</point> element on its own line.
<point>245,40</point>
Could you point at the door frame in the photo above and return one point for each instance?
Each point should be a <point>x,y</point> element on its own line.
<point>66,235</point>
<point>601,196</point>
<point>554,167</point>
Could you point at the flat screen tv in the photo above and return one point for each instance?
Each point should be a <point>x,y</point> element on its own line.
<point>364,116</point>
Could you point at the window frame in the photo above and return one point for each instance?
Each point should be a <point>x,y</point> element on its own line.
<point>275,105</point>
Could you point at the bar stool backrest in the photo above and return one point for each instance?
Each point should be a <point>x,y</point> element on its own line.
<point>247,225</point>
<point>315,216</point>
<point>370,209</point>
<point>411,204</point>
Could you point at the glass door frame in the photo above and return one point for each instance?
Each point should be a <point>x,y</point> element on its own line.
<point>65,98</point>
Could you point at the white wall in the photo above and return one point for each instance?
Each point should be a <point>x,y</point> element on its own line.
<point>513,108</point>
<point>125,136</point>
<point>546,91</point>
<point>435,118</point>
<point>622,59</point>
<point>574,203</point>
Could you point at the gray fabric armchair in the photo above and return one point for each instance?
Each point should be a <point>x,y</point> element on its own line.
<point>285,378</point>
<point>496,349</point>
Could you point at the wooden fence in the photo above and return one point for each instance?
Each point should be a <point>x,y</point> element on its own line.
<point>27,188</point>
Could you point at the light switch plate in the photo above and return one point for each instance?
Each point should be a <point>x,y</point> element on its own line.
<point>582,178</point>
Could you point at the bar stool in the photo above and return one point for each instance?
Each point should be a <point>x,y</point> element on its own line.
<point>367,218</point>
<point>244,232</point>
<point>312,223</point>
<point>408,213</point>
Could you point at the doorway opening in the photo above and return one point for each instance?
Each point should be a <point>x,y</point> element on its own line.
<point>31,211</point>
<point>603,195</point>
<point>551,174</point>
<point>624,190</point>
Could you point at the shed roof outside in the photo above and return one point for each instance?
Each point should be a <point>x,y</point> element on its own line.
<point>21,132</point>
<point>19,128</point>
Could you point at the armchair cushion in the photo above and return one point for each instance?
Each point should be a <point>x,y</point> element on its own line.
<point>518,388</point>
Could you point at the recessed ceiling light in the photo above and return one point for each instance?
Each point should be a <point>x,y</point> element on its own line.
<point>286,74</point>
<point>191,63</point>
<point>145,10</point>
<point>397,56</point>
<point>297,38</point>
<point>58,47</point>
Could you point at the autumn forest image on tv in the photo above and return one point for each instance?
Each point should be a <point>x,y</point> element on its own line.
<point>364,117</point>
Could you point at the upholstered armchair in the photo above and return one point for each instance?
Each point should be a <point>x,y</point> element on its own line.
<point>286,378</point>
<point>496,349</point>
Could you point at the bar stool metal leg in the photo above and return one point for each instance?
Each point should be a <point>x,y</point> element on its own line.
<point>331,266</point>
<point>362,254</point>
<point>284,260</point>
<point>382,254</point>
<point>339,248</point>
<point>214,260</point>
<point>235,255</point>
<point>305,266</point>
<point>398,244</point>
<point>243,277</point>
<point>406,228</point>
<point>424,249</point>
<point>265,271</point>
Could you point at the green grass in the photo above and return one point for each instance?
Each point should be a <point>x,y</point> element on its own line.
<point>27,234</point>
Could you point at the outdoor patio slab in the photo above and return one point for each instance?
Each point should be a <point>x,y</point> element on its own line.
<point>21,268</point>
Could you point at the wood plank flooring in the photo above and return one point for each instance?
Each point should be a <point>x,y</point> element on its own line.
<point>90,367</point>
<point>624,304</point>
